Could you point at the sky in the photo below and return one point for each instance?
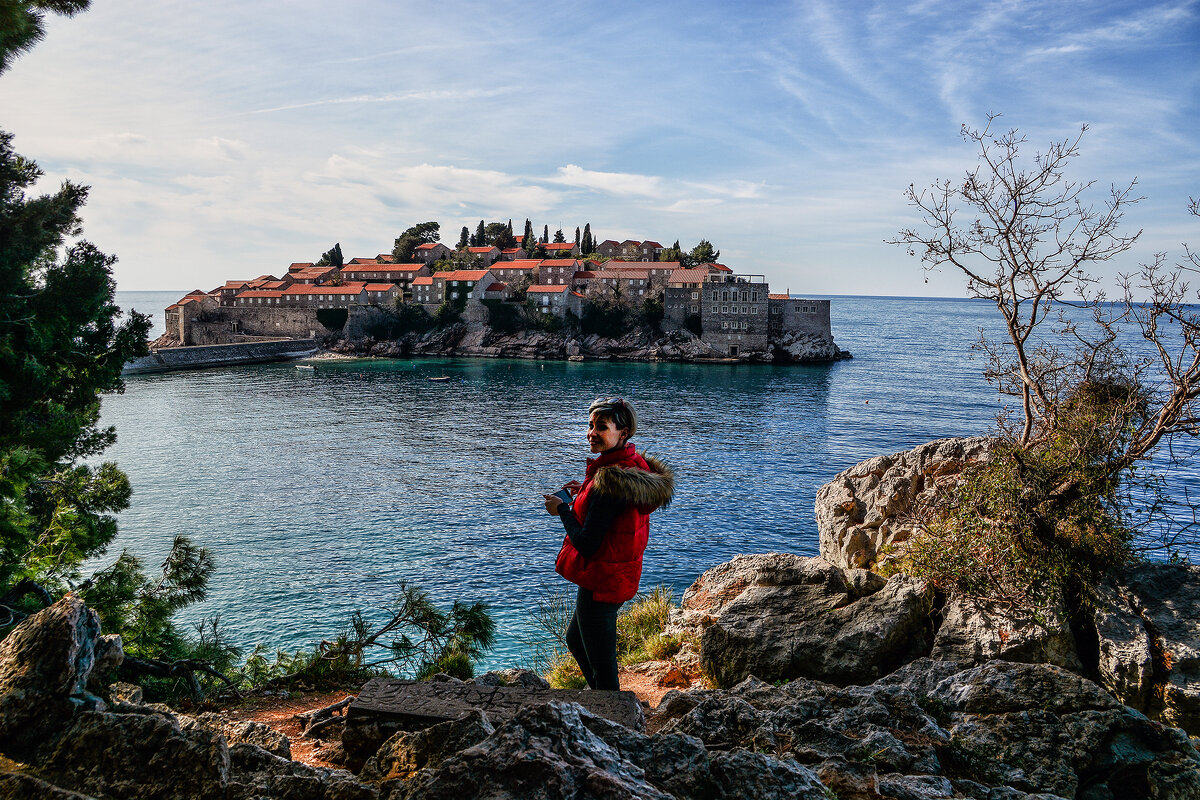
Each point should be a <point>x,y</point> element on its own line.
<point>225,140</point>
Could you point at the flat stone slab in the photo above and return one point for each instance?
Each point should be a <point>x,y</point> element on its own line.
<point>422,704</point>
<point>387,705</point>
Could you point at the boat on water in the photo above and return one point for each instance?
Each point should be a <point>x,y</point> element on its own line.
<point>437,378</point>
<point>309,367</point>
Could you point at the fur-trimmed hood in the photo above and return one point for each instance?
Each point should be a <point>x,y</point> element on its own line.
<point>647,490</point>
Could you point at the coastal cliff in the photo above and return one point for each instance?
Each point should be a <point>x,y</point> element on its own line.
<point>639,344</point>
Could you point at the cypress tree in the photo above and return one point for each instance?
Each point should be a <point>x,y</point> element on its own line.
<point>528,240</point>
<point>480,236</point>
<point>464,238</point>
<point>545,233</point>
<point>588,245</point>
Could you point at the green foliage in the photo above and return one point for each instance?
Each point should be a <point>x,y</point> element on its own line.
<point>1041,520</point>
<point>448,313</point>
<point>403,318</point>
<point>417,640</point>
<point>22,24</point>
<point>702,253</point>
<point>406,243</point>
<point>587,244</point>
<point>559,237</point>
<point>609,321</point>
<point>63,344</point>
<point>331,257</point>
<point>464,238</point>
<point>504,317</point>
<point>564,673</point>
<point>642,622</point>
<point>499,234</point>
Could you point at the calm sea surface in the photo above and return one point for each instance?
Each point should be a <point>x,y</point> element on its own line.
<point>319,492</point>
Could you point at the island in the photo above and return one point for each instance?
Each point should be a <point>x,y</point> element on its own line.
<point>620,302</point>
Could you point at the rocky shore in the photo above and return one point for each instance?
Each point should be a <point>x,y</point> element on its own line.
<point>827,680</point>
<point>638,345</point>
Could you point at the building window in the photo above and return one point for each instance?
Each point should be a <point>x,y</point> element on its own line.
<point>754,310</point>
<point>695,295</point>
<point>733,309</point>
<point>716,309</point>
<point>754,297</point>
<point>745,326</point>
<point>724,324</point>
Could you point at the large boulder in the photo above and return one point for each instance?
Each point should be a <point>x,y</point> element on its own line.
<point>45,663</point>
<point>977,630</point>
<point>1148,629</point>
<point>256,774</point>
<point>144,755</point>
<point>560,750</point>
<point>794,616</point>
<point>862,512</point>
<point>1000,730</point>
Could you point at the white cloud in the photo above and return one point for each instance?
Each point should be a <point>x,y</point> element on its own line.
<point>616,183</point>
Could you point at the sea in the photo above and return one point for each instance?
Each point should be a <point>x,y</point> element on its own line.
<point>320,491</point>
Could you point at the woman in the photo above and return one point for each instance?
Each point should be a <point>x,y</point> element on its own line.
<point>607,530</point>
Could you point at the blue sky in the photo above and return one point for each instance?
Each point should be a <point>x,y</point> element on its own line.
<point>228,139</point>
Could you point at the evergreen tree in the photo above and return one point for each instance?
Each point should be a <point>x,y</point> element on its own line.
<point>527,241</point>
<point>464,238</point>
<point>559,238</point>
<point>62,345</point>
<point>331,257</point>
<point>588,245</point>
<point>703,253</point>
<point>406,243</point>
<point>577,237</point>
<point>545,233</point>
<point>480,238</point>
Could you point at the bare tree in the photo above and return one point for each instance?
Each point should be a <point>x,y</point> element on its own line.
<point>1024,239</point>
<point>1093,402</point>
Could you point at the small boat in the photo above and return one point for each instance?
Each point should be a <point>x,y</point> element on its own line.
<point>437,378</point>
<point>306,366</point>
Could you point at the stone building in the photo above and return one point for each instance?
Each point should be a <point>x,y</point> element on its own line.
<point>400,274</point>
<point>429,253</point>
<point>733,313</point>
<point>555,299</point>
<point>557,271</point>
<point>798,315</point>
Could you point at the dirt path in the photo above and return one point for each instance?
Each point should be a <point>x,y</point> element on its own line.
<point>645,680</point>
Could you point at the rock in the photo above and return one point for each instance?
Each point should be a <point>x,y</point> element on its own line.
<point>257,774</point>
<point>545,751</point>
<point>125,693</point>
<point>978,631</point>
<point>1149,635</point>
<point>147,756</point>
<point>18,786</point>
<point>513,677</point>
<point>44,667</point>
<point>405,753</point>
<point>244,732</point>
<point>1040,728</point>
<point>800,617</point>
<point>861,511</point>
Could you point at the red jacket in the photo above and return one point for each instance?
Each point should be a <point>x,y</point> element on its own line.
<point>613,572</point>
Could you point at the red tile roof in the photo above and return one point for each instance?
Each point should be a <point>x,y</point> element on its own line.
<point>496,287</point>
<point>560,262</point>
<point>560,246</point>
<point>299,265</point>
<point>547,288</point>
<point>487,249</point>
<point>385,258</point>
<point>652,244</point>
<point>779,297</point>
<point>424,280</point>
<point>384,269</point>
<point>519,263</point>
<point>310,288</point>
<point>461,275</point>
<point>380,287</point>
<point>511,250</point>
<point>430,246</point>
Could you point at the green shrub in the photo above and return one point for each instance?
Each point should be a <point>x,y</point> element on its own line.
<point>643,620</point>
<point>1039,521</point>
<point>564,673</point>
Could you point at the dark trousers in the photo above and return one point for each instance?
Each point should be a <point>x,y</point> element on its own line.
<point>592,639</point>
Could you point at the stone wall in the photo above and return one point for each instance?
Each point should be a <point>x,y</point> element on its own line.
<point>173,358</point>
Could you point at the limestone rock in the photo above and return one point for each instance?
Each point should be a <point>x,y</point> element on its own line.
<point>257,774</point>
<point>148,756</point>
<point>862,510</point>
<point>801,617</point>
<point>244,732</point>
<point>18,786</point>
<point>1149,635</point>
<point>543,752</point>
<point>978,631</point>
<point>513,677</point>
<point>44,667</point>
<point>406,753</point>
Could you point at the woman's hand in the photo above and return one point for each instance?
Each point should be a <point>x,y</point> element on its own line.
<point>552,504</point>
<point>573,487</point>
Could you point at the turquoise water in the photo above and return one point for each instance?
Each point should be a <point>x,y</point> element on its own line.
<point>319,492</point>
